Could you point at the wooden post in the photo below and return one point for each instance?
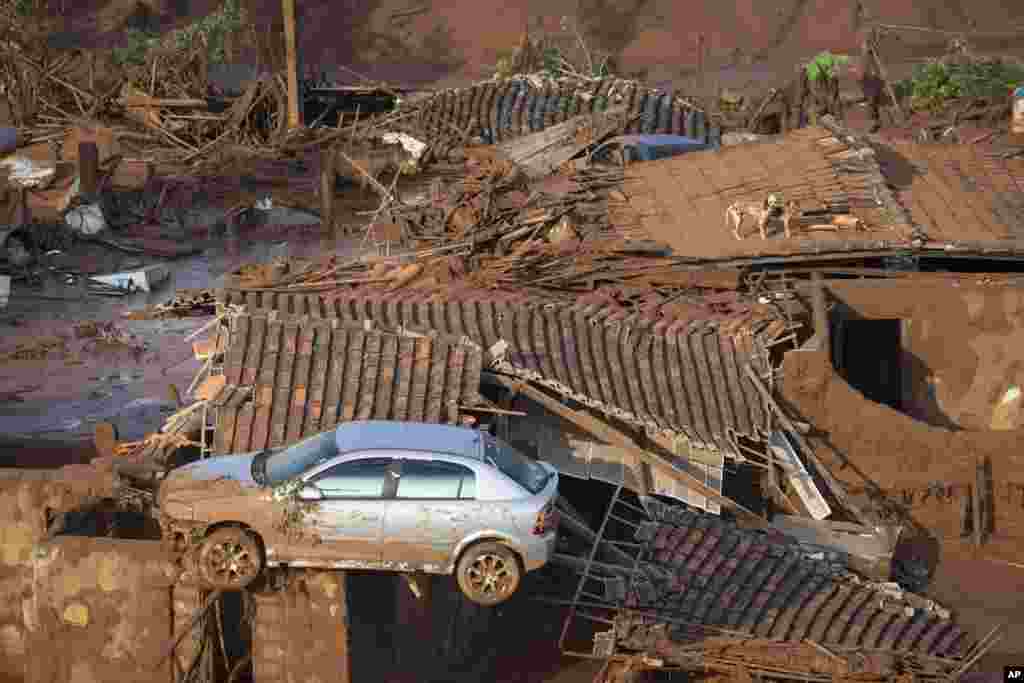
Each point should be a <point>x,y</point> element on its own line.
<point>88,169</point>
<point>327,180</point>
<point>979,502</point>
<point>883,74</point>
<point>292,60</point>
<point>818,304</point>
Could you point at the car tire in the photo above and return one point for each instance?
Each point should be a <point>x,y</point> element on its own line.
<point>488,573</point>
<point>230,558</point>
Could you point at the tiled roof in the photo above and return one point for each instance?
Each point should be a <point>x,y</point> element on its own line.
<point>681,201</point>
<point>287,379</point>
<point>958,193</point>
<point>684,376</point>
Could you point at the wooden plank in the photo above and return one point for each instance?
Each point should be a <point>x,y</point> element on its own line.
<point>300,383</point>
<point>292,59</point>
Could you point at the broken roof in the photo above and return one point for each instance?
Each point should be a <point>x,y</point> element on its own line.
<point>291,379</point>
<point>680,373</point>
<point>906,195</point>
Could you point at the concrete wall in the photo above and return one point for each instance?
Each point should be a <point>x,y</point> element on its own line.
<point>962,349</point>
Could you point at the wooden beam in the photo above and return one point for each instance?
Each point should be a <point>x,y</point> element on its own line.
<point>818,304</point>
<point>837,489</point>
<point>872,45</point>
<point>292,60</point>
<point>609,434</point>
<point>88,170</point>
<point>328,178</point>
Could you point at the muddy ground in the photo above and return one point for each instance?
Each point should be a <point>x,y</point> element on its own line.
<point>447,43</point>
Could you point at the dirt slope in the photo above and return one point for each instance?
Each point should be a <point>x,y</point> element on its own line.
<point>456,41</point>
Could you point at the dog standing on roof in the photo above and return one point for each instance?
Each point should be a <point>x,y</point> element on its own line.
<point>771,208</point>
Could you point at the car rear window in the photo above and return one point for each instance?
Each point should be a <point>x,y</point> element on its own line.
<point>525,472</point>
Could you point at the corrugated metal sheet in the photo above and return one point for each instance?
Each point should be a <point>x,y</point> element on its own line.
<point>681,201</point>
<point>681,376</point>
<point>288,379</point>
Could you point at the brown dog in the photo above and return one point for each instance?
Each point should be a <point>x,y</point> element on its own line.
<point>737,213</point>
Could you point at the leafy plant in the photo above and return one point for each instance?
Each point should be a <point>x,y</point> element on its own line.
<point>825,66</point>
<point>294,509</point>
<point>934,83</point>
<point>137,47</point>
<point>212,31</point>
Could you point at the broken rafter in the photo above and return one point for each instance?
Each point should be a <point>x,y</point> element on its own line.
<point>609,434</point>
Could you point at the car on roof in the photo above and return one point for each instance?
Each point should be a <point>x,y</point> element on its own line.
<point>394,496</point>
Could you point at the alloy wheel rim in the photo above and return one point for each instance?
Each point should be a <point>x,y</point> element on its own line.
<point>231,562</point>
<point>490,575</point>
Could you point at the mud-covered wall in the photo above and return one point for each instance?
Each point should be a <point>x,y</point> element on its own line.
<point>900,454</point>
<point>26,496</point>
<point>300,633</point>
<point>99,611</point>
<point>963,349</point>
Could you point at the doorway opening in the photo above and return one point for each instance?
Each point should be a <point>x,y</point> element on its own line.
<point>867,353</point>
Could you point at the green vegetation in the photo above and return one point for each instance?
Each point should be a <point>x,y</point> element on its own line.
<point>212,31</point>
<point>559,54</point>
<point>935,83</point>
<point>825,66</point>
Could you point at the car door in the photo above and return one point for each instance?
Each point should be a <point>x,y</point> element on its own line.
<point>349,518</point>
<point>431,512</point>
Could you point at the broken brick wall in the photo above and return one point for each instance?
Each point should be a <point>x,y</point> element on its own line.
<point>300,633</point>
<point>107,603</point>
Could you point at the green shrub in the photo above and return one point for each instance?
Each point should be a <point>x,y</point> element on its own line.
<point>211,31</point>
<point>935,83</point>
<point>825,66</point>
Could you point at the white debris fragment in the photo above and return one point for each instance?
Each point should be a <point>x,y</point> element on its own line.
<point>265,204</point>
<point>414,147</point>
<point>86,219</point>
<point>28,173</point>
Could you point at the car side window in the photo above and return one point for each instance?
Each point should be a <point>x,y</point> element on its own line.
<point>363,478</point>
<point>436,479</point>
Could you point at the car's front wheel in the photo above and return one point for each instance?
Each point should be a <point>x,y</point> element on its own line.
<point>488,573</point>
<point>230,559</point>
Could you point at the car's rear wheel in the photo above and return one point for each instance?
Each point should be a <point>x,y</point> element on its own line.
<point>488,573</point>
<point>230,558</point>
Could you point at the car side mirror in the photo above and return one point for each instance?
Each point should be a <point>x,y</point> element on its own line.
<point>310,492</point>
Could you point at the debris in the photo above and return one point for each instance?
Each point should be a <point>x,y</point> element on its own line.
<point>86,219</point>
<point>799,477</point>
<point>27,173</point>
<point>5,290</point>
<point>144,280</point>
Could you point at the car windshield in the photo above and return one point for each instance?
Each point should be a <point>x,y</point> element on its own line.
<point>299,457</point>
<point>525,472</point>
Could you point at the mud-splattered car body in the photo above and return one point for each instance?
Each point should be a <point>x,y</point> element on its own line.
<point>372,495</point>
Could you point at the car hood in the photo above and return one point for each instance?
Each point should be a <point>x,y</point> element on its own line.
<point>221,476</point>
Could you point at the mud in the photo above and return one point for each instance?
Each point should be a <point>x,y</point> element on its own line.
<point>99,598</point>
<point>891,447</point>
<point>959,345</point>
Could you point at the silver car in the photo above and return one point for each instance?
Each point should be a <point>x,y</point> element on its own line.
<point>395,496</point>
